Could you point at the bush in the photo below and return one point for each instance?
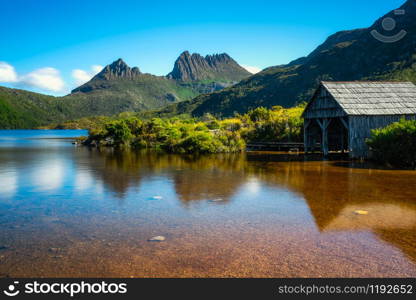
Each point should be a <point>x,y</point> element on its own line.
<point>395,144</point>
<point>231,124</point>
<point>199,142</point>
<point>119,132</point>
<point>231,141</point>
<point>213,125</point>
<point>260,114</point>
<point>275,125</point>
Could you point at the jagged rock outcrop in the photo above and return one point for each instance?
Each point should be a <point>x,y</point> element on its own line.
<point>116,70</point>
<point>194,67</point>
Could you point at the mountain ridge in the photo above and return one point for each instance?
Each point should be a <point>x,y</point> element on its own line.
<point>194,67</point>
<point>347,55</point>
<point>115,89</point>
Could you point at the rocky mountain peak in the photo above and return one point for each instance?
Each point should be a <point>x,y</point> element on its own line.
<point>219,58</point>
<point>118,69</point>
<point>194,67</point>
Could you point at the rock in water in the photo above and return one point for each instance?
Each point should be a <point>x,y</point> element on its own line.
<point>217,200</point>
<point>54,250</point>
<point>158,238</point>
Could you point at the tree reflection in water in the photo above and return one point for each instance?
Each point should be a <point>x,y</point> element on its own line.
<point>331,190</point>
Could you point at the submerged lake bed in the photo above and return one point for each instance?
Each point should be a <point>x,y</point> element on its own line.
<point>69,211</point>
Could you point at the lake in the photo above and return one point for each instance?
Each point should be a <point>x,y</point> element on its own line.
<point>70,211</point>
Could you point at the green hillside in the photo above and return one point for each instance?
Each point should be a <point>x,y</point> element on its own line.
<point>344,56</point>
<point>141,93</point>
<point>22,109</point>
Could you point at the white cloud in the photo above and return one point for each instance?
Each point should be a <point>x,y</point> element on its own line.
<point>252,69</point>
<point>82,76</point>
<point>96,69</point>
<point>49,176</point>
<point>8,184</point>
<point>45,78</point>
<point>7,73</point>
<point>83,180</point>
<point>48,79</point>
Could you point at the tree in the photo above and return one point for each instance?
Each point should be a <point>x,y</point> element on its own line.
<point>119,131</point>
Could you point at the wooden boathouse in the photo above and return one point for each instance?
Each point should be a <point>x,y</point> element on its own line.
<point>341,115</point>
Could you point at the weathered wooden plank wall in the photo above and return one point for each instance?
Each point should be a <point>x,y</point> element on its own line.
<point>323,106</point>
<point>360,130</point>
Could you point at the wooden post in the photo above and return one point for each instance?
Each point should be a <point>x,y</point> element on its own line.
<point>344,123</point>
<point>325,149</point>
<point>347,128</point>
<point>324,127</point>
<point>306,135</point>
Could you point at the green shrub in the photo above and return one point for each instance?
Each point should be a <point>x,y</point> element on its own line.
<point>231,141</point>
<point>213,125</point>
<point>275,125</point>
<point>119,132</point>
<point>395,144</point>
<point>233,124</point>
<point>260,114</point>
<point>199,142</point>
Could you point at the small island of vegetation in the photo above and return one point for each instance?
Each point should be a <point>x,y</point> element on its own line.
<point>204,135</point>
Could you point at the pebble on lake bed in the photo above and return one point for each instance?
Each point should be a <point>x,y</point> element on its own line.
<point>361,212</point>
<point>54,250</point>
<point>158,238</point>
<point>217,200</point>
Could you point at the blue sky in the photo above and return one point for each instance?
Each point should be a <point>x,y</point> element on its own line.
<point>51,46</point>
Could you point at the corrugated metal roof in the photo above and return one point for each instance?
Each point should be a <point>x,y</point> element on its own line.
<point>374,98</point>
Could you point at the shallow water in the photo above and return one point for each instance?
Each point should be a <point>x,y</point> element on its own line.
<point>68,211</point>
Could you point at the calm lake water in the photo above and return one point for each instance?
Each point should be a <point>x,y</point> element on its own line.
<point>68,211</point>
